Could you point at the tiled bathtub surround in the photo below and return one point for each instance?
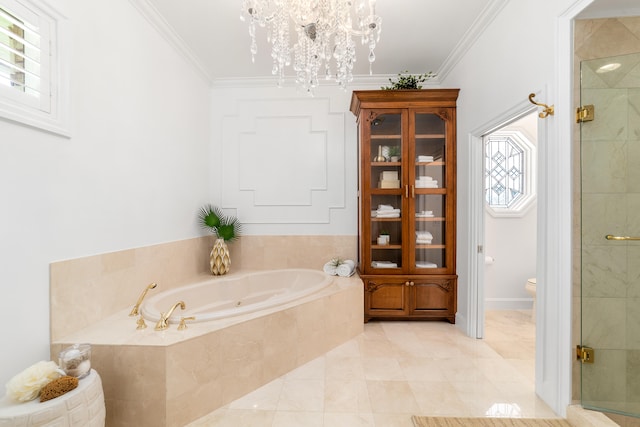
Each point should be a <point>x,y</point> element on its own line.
<point>87,290</point>
<point>168,378</point>
<point>172,377</point>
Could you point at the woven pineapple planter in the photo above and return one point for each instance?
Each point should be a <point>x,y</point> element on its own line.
<point>220,259</point>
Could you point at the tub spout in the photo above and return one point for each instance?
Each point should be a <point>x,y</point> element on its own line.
<point>163,323</point>
<point>134,310</point>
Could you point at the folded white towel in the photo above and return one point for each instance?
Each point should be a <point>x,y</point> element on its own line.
<point>430,184</point>
<point>330,268</point>
<point>424,234</point>
<point>389,215</point>
<point>425,158</point>
<point>385,208</point>
<point>346,269</point>
<point>426,264</point>
<point>383,264</point>
<point>424,241</point>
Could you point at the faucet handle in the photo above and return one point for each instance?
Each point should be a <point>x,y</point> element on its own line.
<point>183,322</point>
<point>141,323</point>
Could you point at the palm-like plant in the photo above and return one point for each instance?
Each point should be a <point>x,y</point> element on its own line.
<point>224,227</point>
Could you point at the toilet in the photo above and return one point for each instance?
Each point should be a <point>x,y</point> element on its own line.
<point>530,287</point>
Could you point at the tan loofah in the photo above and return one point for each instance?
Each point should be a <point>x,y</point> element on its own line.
<point>58,387</point>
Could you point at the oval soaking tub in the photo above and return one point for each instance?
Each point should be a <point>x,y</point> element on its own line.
<point>227,296</point>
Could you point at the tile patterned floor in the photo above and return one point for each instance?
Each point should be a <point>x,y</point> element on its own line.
<point>397,369</point>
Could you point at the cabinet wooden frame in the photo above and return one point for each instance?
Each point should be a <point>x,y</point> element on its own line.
<point>414,118</point>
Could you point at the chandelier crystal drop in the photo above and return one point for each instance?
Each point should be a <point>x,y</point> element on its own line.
<point>324,30</point>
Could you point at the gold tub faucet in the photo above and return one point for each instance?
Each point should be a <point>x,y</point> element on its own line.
<point>163,323</point>
<point>134,310</point>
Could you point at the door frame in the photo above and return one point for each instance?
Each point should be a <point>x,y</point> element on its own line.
<point>477,211</point>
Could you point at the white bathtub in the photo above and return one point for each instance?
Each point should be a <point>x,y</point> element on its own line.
<point>227,296</point>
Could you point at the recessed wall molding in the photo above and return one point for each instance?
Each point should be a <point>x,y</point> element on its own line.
<point>284,160</point>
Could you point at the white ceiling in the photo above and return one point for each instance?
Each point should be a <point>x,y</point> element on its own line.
<point>417,35</point>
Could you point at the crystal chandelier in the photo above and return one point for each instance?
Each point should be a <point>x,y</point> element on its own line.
<point>324,30</point>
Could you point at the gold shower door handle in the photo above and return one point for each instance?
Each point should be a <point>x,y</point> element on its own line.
<point>612,237</point>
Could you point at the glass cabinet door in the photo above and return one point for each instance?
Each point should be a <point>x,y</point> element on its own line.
<point>385,183</point>
<point>428,198</point>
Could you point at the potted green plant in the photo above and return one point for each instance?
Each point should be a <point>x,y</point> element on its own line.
<point>226,229</point>
<point>394,153</point>
<point>408,81</point>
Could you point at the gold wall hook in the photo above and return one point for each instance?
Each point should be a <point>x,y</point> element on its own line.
<point>547,110</point>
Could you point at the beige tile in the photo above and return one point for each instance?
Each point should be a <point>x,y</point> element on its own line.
<point>382,369</point>
<point>302,395</point>
<point>437,398</point>
<point>264,398</point>
<point>348,420</point>
<point>469,379</point>
<point>297,419</point>
<point>313,370</point>
<point>392,397</point>
<point>421,369</point>
<point>350,368</point>
<point>392,420</point>
<point>234,418</point>
<point>346,396</point>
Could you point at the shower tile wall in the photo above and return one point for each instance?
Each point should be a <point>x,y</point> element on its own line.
<point>608,144</point>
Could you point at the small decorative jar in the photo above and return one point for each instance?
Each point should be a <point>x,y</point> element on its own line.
<point>75,361</point>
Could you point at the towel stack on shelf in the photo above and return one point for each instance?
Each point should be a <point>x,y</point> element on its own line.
<point>383,264</point>
<point>386,211</point>
<point>423,238</point>
<point>426,264</point>
<point>426,182</point>
<point>424,214</point>
<point>424,159</point>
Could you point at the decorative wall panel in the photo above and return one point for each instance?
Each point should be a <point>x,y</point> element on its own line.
<point>283,161</point>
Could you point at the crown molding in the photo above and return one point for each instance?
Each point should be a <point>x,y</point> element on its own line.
<point>476,29</point>
<point>158,22</point>
<point>375,81</point>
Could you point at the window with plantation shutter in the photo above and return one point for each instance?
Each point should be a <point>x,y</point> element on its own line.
<point>20,55</point>
<point>32,88</point>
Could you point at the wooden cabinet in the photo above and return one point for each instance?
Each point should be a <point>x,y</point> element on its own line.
<point>407,202</point>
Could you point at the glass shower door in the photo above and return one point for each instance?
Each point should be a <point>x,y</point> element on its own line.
<point>610,234</point>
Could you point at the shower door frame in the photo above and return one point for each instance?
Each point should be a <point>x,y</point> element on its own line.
<point>609,281</point>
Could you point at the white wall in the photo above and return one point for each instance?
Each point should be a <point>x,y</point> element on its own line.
<point>512,244</point>
<point>134,173</point>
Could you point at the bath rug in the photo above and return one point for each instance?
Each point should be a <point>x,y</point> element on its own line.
<point>488,422</point>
